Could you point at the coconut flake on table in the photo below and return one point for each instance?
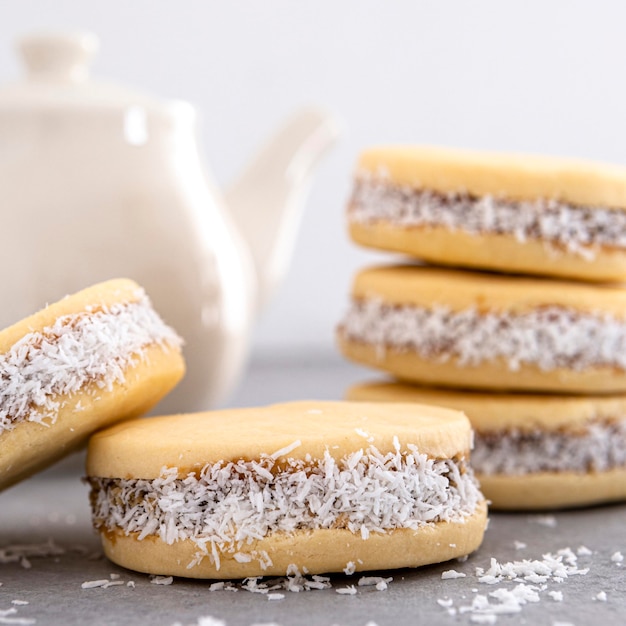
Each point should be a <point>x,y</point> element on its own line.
<point>91,346</point>
<point>374,581</point>
<point>451,574</point>
<point>349,590</point>
<point>161,580</point>
<point>94,584</point>
<point>617,557</point>
<point>549,521</point>
<point>21,553</point>
<point>5,618</point>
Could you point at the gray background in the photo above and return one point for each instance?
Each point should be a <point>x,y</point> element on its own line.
<point>530,76</point>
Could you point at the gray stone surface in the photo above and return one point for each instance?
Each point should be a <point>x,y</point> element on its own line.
<point>54,506</point>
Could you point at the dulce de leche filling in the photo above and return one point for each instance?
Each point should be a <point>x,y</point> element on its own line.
<point>229,506</point>
<point>549,337</point>
<point>579,230</point>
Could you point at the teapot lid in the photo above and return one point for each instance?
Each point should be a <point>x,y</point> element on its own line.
<point>57,78</point>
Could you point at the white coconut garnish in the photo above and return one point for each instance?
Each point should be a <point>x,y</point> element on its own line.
<point>600,446</point>
<point>91,346</point>
<point>230,505</point>
<point>579,230</point>
<point>548,337</point>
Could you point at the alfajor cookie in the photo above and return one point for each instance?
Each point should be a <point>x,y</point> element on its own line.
<point>531,451</point>
<point>468,329</point>
<point>87,361</point>
<point>509,213</point>
<point>307,486</point>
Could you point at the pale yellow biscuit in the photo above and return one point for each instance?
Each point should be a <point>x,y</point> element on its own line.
<point>516,176</point>
<point>503,212</point>
<point>461,290</point>
<point>85,362</point>
<point>299,459</point>
<point>533,451</point>
<point>467,329</point>
<point>489,251</point>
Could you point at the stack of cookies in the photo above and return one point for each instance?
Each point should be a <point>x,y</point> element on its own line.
<point>523,323</point>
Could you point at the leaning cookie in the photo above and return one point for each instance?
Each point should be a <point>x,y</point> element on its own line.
<point>469,329</point>
<point>87,361</point>
<point>307,486</point>
<point>532,215</point>
<point>530,451</point>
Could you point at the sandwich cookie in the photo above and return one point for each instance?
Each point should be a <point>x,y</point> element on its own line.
<point>467,329</point>
<point>83,363</point>
<point>533,452</point>
<point>510,213</point>
<point>306,486</point>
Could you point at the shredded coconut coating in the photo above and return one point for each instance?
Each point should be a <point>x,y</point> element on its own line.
<point>233,504</point>
<point>579,230</point>
<point>599,448</point>
<point>91,346</point>
<point>549,337</point>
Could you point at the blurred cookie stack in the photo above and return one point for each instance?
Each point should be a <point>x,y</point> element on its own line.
<point>530,340</point>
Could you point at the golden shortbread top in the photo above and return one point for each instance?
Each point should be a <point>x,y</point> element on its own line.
<point>141,448</point>
<point>106,294</point>
<point>459,290</point>
<point>514,176</point>
<point>496,412</point>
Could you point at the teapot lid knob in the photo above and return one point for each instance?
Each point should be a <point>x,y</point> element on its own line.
<point>58,56</point>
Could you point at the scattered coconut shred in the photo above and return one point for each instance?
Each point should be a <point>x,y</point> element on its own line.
<point>532,578</point>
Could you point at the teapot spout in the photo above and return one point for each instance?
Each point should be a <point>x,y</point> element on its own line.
<point>265,202</point>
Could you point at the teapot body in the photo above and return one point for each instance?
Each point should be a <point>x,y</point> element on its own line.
<point>83,202</point>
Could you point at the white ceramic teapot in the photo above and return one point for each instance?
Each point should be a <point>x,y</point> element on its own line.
<point>98,181</point>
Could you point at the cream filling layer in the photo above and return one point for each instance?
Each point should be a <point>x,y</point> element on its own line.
<point>96,345</point>
<point>579,230</point>
<point>230,505</point>
<point>550,337</point>
<point>599,448</point>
